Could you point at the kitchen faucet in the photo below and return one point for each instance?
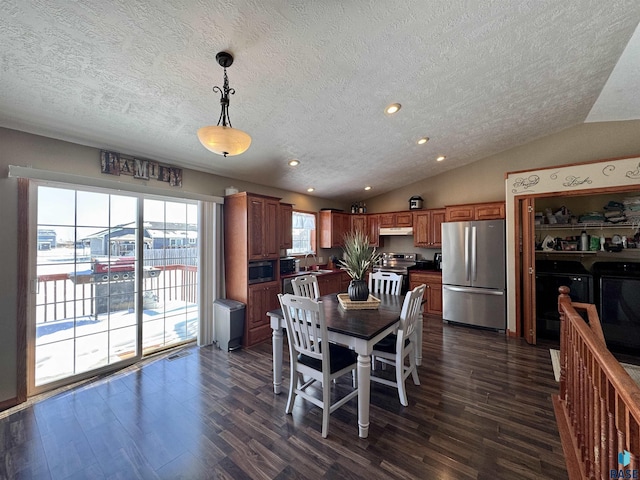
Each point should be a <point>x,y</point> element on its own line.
<point>306,265</point>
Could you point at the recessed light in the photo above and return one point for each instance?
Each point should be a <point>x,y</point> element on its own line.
<point>294,163</point>
<point>310,189</point>
<point>367,187</point>
<point>423,140</point>
<point>393,108</point>
<point>440,158</point>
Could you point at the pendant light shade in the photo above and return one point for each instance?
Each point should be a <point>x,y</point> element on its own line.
<point>223,139</point>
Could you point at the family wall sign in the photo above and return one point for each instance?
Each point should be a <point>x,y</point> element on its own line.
<point>112,163</point>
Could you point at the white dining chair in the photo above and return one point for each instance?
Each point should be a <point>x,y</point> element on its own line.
<point>311,354</point>
<point>306,286</point>
<point>385,282</point>
<point>395,348</point>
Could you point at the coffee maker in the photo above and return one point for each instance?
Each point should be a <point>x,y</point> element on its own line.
<point>437,261</point>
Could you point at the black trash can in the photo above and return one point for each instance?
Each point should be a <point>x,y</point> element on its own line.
<point>228,323</point>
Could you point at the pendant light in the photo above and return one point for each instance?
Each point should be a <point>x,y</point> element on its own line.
<point>223,139</point>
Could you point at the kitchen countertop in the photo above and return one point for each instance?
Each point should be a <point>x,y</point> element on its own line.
<point>324,272</point>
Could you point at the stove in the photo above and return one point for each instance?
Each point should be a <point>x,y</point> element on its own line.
<point>399,263</point>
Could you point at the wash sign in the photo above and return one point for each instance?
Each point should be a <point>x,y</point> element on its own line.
<point>624,459</point>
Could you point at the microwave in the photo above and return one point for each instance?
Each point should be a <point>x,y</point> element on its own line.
<point>287,265</point>
<point>262,271</point>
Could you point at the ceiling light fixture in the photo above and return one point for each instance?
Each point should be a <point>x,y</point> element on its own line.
<point>367,188</point>
<point>423,140</point>
<point>294,163</point>
<point>440,158</point>
<point>310,189</point>
<point>393,108</point>
<point>223,139</point>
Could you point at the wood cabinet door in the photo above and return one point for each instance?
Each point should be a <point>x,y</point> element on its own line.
<point>329,284</point>
<point>404,219</point>
<point>359,222</point>
<point>262,297</point>
<point>340,223</point>
<point>270,231</point>
<point>438,217</point>
<point>422,229</point>
<point>373,227</point>
<point>434,298</point>
<point>285,223</point>
<point>387,220</point>
<point>345,280</point>
<point>333,226</point>
<point>255,208</point>
<point>433,292</point>
<point>460,213</point>
<point>489,211</point>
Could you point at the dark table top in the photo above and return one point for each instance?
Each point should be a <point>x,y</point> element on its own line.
<point>358,323</point>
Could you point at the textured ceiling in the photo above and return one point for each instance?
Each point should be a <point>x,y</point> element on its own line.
<point>312,80</point>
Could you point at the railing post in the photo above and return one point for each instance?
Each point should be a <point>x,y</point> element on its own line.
<point>563,298</point>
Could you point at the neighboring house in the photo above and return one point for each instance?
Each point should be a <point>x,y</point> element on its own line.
<point>120,240</point>
<point>47,239</point>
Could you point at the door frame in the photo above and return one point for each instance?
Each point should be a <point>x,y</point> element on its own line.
<point>618,175</point>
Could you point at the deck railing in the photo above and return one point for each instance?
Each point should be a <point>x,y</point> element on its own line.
<point>598,407</point>
<point>59,297</point>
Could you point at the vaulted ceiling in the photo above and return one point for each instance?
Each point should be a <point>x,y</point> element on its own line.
<point>312,79</point>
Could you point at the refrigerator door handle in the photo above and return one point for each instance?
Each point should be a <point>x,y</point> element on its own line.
<point>466,253</point>
<point>482,291</point>
<point>474,251</point>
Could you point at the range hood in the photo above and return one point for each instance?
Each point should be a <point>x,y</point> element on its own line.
<point>396,231</point>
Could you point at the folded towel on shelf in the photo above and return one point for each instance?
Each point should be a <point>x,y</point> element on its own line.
<point>613,213</point>
<point>612,205</point>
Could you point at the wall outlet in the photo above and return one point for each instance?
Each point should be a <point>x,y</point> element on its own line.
<point>320,260</point>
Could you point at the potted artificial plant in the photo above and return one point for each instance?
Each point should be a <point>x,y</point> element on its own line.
<point>357,260</point>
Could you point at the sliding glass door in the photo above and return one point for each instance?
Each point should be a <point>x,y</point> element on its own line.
<point>115,278</point>
<point>170,314</point>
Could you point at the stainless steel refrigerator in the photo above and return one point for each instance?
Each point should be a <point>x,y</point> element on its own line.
<point>473,273</point>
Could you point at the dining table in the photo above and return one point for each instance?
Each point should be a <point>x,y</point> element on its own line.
<point>359,329</point>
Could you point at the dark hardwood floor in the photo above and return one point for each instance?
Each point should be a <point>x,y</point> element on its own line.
<point>483,411</point>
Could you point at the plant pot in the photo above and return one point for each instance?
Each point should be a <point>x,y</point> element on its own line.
<point>358,291</point>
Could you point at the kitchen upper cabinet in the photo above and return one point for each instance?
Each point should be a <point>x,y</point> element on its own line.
<point>370,225</point>
<point>475,211</point>
<point>427,231</point>
<point>262,214</point>
<point>333,226</point>
<point>433,292</point>
<point>396,219</point>
<point>285,223</point>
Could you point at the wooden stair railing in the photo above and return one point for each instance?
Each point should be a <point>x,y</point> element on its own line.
<point>598,407</point>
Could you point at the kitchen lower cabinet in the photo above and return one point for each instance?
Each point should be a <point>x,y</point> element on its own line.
<point>345,280</point>
<point>262,298</point>
<point>329,283</point>
<point>433,292</point>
